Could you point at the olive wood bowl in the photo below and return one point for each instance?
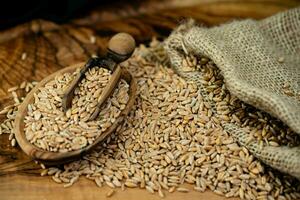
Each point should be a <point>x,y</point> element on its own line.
<point>54,158</point>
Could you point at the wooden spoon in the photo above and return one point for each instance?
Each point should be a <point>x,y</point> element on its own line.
<point>120,48</point>
<point>54,158</point>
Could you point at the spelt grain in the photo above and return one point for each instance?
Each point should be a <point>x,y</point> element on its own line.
<point>110,193</point>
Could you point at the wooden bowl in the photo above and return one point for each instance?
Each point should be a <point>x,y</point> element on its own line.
<point>54,158</point>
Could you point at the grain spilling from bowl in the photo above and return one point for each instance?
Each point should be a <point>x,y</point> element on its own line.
<point>172,137</point>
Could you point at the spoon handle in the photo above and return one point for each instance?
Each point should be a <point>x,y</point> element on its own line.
<point>107,91</point>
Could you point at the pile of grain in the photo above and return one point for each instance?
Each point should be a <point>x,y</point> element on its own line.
<point>48,127</point>
<point>172,137</point>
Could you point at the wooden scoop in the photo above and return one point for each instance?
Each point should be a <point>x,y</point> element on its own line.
<point>120,48</point>
<point>54,158</point>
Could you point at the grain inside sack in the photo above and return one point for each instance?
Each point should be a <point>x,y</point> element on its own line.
<point>172,137</point>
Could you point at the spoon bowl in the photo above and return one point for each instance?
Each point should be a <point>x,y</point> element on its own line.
<point>54,158</point>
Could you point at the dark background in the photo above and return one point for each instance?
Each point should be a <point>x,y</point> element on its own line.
<point>14,12</point>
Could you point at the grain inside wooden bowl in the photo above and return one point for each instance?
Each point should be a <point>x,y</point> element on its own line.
<point>53,158</point>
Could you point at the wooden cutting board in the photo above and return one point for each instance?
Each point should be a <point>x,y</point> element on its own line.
<point>49,47</point>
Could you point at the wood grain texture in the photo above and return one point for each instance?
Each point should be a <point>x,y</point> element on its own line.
<point>50,47</point>
<point>11,187</point>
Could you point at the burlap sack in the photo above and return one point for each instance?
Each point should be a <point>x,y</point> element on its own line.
<point>256,58</point>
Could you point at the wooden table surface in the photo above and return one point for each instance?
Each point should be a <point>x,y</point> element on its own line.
<point>50,46</point>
